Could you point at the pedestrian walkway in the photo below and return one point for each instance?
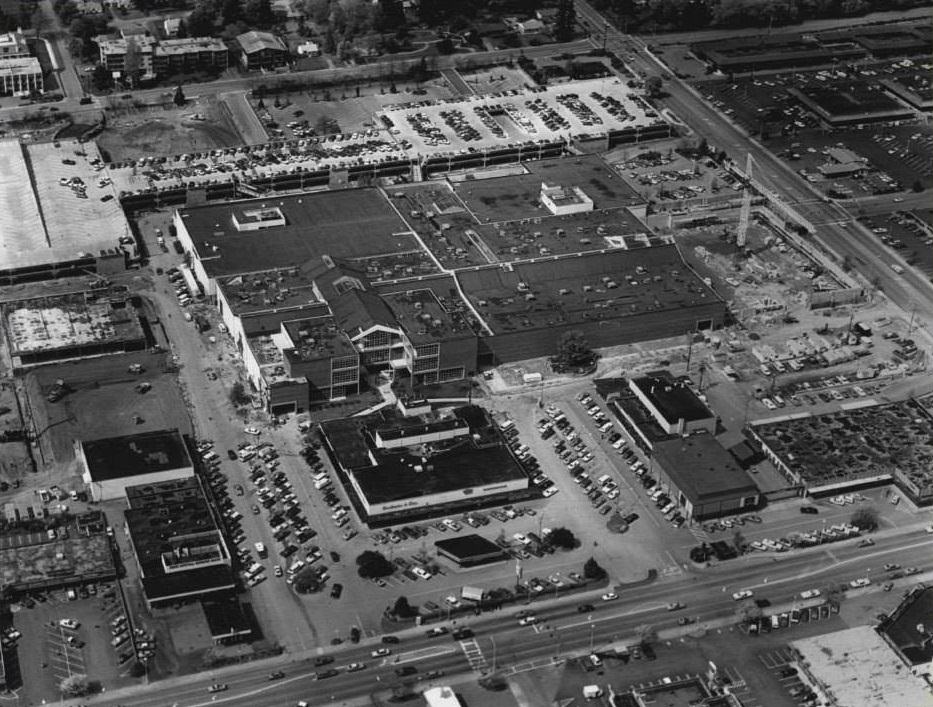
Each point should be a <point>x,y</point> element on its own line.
<point>474,655</point>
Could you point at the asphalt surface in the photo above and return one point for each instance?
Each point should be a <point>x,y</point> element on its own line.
<point>500,643</point>
<point>835,228</point>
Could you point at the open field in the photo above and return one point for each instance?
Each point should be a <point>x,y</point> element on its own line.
<point>135,133</point>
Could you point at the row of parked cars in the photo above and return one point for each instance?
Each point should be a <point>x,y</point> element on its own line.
<point>456,121</point>
<point>583,113</point>
<point>527,460</point>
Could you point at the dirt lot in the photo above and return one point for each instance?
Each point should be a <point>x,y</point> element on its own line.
<point>102,403</point>
<point>350,111</point>
<point>133,133</point>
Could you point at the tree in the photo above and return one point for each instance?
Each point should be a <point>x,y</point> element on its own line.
<point>371,565</point>
<point>131,61</point>
<point>101,78</point>
<point>739,541</point>
<point>564,21</point>
<point>259,13</point>
<point>563,538</point>
<point>238,395</point>
<point>182,30</point>
<point>917,186</point>
<point>865,519</point>
<point>231,11</point>
<point>76,685</point>
<point>653,86</point>
<point>201,21</point>
<point>403,609</point>
<point>573,351</point>
<point>646,633</point>
<point>592,569</point>
<point>179,97</point>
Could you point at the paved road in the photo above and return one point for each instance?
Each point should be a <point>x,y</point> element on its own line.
<point>835,229</point>
<point>245,83</point>
<point>59,38</point>
<point>500,643</point>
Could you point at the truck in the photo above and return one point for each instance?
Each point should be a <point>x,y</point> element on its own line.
<point>261,551</point>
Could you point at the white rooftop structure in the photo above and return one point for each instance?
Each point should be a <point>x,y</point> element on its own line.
<point>855,667</point>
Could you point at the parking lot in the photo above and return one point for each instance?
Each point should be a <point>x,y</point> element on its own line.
<point>63,637</point>
<point>493,120</point>
<point>905,233</point>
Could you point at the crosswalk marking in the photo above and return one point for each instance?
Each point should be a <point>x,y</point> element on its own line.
<point>474,654</point>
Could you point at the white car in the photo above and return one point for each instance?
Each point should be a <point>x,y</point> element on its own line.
<point>422,572</point>
<point>353,667</point>
<point>550,491</point>
<point>70,624</point>
<point>519,537</point>
<point>810,594</point>
<point>768,403</point>
<point>452,600</point>
<point>380,652</point>
<point>744,594</point>
<point>610,596</point>
<point>860,582</point>
<point>251,431</point>
<point>528,620</point>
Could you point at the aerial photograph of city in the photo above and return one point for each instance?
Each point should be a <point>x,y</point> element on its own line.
<point>466,353</point>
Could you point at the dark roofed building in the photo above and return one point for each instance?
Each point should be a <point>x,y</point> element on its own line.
<point>397,467</point>
<point>109,465</point>
<point>673,404</point>
<point>702,478</point>
<point>227,621</point>
<point>180,551</point>
<point>470,550</point>
<point>909,629</point>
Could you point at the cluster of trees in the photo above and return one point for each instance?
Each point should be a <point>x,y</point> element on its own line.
<point>696,14</point>
<point>573,352</point>
<point>345,22</point>
<point>25,16</point>
<point>372,565</point>
<point>228,18</point>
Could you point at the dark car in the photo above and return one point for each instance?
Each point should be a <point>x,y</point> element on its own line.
<point>406,670</point>
<point>586,608</point>
<point>354,633</point>
<point>324,674</point>
<point>277,675</point>
<point>390,639</point>
<point>336,590</point>
<point>462,634</point>
<point>334,556</point>
<point>231,455</point>
<point>631,518</point>
<point>811,510</point>
<point>323,660</point>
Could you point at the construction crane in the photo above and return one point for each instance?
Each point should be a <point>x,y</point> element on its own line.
<point>741,234</point>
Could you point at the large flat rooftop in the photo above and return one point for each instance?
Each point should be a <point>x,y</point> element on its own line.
<point>278,289</point>
<point>597,286</point>
<point>910,627</point>
<point>72,556</point>
<point>516,197</point>
<point>671,397</point>
<point>133,455</point>
<point>862,443</point>
<point>42,221</point>
<point>425,317</point>
<point>702,468</point>
<point>45,324</point>
<point>861,669</point>
<point>350,223</point>
<point>172,528</point>
<point>316,338</point>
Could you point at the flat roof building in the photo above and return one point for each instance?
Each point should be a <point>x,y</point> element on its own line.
<point>909,630</point>
<point>702,478</point>
<point>470,550</point>
<point>21,76</point>
<point>13,45</point>
<point>855,667</point>
<point>47,329</point>
<point>108,466</point>
<point>454,459</point>
<point>673,404</point>
<point>180,551</point>
<point>561,200</point>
